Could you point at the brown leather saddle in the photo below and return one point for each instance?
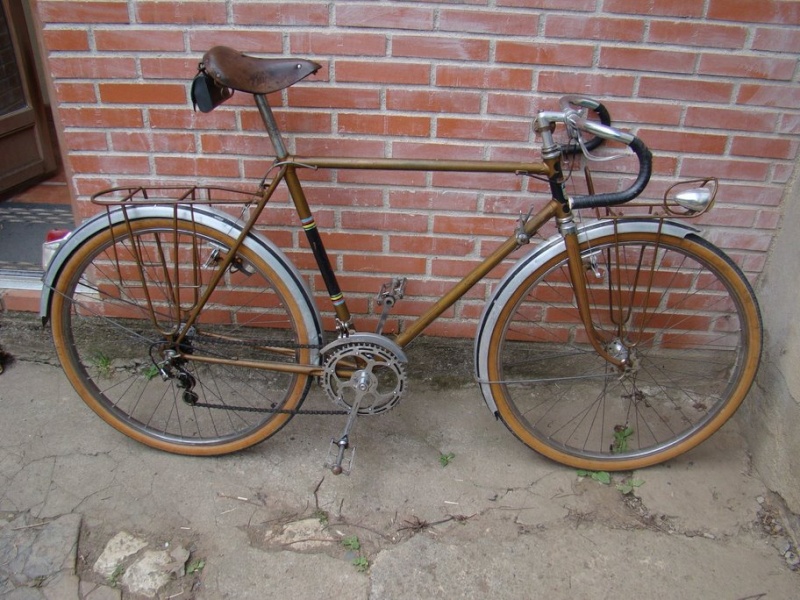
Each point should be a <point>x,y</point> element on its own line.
<point>224,69</point>
<point>255,75</point>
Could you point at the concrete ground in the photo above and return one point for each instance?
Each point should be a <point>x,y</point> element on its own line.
<point>497,521</point>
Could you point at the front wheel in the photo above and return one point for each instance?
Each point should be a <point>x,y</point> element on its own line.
<point>119,310</point>
<point>676,309</point>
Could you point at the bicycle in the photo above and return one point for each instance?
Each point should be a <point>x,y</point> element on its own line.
<point>615,344</point>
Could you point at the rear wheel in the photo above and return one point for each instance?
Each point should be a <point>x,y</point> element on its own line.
<point>119,306</point>
<point>676,309</point>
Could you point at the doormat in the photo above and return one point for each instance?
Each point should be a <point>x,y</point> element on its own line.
<point>23,228</point>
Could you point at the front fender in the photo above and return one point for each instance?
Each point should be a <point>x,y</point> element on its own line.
<point>202,214</point>
<point>535,258</point>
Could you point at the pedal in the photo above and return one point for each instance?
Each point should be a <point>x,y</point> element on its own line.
<point>339,461</point>
<point>390,293</point>
<point>392,290</point>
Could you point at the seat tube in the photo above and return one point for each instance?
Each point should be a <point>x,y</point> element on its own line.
<point>304,212</point>
<point>317,247</point>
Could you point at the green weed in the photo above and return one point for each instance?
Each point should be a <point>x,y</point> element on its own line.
<point>602,476</point>
<point>627,486</point>
<point>621,435</point>
<point>361,564</point>
<point>103,364</point>
<point>352,543</point>
<point>196,566</point>
<point>113,579</point>
<point>446,459</point>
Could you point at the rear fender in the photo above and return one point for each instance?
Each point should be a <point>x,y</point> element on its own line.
<point>204,215</point>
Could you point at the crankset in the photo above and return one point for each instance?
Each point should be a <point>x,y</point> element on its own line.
<point>364,373</point>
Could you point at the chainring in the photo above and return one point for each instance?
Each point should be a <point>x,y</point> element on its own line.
<point>364,367</point>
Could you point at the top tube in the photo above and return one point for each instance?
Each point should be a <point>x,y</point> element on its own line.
<point>401,164</point>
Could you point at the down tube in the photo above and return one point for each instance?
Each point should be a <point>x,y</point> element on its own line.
<point>474,276</point>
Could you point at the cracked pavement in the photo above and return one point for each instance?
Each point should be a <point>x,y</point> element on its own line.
<point>498,521</point>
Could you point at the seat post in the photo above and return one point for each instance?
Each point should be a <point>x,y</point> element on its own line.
<point>271,125</point>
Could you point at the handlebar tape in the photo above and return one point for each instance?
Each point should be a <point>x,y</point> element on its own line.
<point>613,198</point>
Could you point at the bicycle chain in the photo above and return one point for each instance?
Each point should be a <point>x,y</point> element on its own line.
<point>278,411</point>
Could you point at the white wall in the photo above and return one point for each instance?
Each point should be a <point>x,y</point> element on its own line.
<point>771,414</point>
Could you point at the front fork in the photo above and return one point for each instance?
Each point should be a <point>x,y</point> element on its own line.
<point>577,273</point>
<point>551,154</point>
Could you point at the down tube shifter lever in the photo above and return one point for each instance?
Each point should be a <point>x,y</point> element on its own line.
<point>520,234</point>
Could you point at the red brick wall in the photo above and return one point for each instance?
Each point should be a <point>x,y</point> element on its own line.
<point>712,87</point>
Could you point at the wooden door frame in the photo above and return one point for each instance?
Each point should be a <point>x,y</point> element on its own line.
<point>35,117</point>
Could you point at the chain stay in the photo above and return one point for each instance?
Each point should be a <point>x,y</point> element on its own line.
<point>275,343</point>
<point>277,411</point>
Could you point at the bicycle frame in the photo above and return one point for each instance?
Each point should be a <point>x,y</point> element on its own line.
<point>550,168</point>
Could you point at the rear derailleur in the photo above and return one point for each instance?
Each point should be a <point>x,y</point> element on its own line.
<point>173,366</point>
